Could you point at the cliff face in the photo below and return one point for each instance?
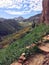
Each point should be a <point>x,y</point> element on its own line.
<point>45,12</point>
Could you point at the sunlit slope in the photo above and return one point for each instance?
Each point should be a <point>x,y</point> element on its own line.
<point>13,51</point>
<point>13,37</point>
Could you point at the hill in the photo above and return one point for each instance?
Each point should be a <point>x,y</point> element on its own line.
<point>8,26</point>
<point>35,18</point>
<point>14,50</point>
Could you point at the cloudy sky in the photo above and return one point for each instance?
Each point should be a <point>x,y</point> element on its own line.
<point>16,8</point>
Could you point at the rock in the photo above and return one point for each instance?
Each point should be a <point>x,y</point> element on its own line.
<point>26,63</point>
<point>32,45</point>
<point>23,54</point>
<point>20,61</point>
<point>45,12</point>
<point>46,60</point>
<point>22,58</point>
<point>16,63</point>
<point>28,47</point>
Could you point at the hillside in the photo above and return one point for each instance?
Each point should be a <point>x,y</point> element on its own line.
<point>8,26</point>
<point>7,40</point>
<point>14,50</point>
<point>24,41</point>
<point>35,18</point>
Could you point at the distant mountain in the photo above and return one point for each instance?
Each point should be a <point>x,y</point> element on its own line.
<point>19,19</point>
<point>2,19</point>
<point>8,26</point>
<point>35,18</point>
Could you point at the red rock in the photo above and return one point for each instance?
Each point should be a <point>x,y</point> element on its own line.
<point>22,58</point>
<point>26,63</point>
<point>20,61</point>
<point>46,60</point>
<point>16,63</point>
<point>45,12</point>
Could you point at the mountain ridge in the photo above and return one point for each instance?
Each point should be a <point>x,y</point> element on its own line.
<point>8,26</point>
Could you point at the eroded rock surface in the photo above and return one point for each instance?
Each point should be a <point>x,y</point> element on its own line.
<point>45,12</point>
<point>46,60</point>
<point>36,60</point>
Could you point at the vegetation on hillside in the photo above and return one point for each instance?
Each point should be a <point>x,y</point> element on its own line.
<point>13,52</point>
<point>9,26</point>
<point>13,37</point>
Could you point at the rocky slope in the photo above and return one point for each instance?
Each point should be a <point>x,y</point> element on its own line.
<point>37,59</point>
<point>35,18</point>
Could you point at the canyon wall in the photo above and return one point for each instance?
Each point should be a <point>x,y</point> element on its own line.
<point>45,11</point>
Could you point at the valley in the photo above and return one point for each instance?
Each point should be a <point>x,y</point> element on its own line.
<point>24,32</point>
<point>7,40</point>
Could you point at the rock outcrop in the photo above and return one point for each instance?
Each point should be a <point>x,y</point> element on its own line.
<point>46,60</point>
<point>45,12</point>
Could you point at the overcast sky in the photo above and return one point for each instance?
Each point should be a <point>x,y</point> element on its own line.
<point>15,8</point>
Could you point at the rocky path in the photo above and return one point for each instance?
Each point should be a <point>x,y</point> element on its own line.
<point>38,59</point>
<point>46,60</point>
